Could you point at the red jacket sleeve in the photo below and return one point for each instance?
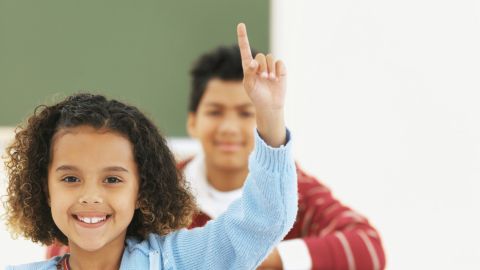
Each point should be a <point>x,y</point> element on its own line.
<point>336,236</point>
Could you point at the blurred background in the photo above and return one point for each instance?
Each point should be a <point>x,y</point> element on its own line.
<point>140,52</point>
<point>382,101</point>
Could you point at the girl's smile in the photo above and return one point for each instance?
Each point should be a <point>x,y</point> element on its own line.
<point>91,220</point>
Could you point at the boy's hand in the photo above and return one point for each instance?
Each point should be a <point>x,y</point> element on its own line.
<point>272,262</point>
<point>264,80</point>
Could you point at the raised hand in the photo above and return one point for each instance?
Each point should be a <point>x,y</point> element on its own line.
<point>264,80</point>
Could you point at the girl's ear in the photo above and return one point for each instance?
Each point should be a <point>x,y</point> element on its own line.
<point>45,190</point>
<point>48,200</point>
<point>137,205</point>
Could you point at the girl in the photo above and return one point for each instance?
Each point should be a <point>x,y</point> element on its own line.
<point>95,174</point>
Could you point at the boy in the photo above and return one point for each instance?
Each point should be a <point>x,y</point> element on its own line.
<point>326,235</point>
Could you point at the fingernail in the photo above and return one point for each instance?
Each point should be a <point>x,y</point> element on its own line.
<point>253,64</point>
<point>264,75</point>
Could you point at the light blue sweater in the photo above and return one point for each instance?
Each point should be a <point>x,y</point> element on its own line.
<point>239,239</point>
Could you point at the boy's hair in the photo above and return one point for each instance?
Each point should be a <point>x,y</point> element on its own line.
<point>165,203</point>
<point>223,63</point>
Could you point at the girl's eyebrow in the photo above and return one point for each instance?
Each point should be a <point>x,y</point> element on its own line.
<point>106,169</point>
<point>66,168</point>
<point>115,169</point>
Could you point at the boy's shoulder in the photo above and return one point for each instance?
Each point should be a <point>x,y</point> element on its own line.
<point>43,265</point>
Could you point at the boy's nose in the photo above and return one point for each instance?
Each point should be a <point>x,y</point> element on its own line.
<point>229,125</point>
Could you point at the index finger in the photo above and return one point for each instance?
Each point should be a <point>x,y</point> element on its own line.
<point>243,44</point>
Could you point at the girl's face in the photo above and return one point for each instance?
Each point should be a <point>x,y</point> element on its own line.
<point>93,185</point>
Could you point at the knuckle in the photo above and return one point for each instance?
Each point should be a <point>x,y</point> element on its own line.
<point>260,56</point>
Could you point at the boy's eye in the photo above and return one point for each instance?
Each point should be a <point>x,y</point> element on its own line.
<point>213,113</point>
<point>112,180</point>
<point>246,114</point>
<point>70,179</point>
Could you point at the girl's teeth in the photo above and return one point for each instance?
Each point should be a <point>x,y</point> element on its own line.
<point>92,219</point>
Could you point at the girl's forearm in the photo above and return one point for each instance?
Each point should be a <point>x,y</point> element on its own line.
<point>271,127</point>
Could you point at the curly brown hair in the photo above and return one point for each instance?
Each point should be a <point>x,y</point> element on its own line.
<point>165,202</point>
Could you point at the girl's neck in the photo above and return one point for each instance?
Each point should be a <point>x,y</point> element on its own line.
<point>108,257</point>
<point>226,180</point>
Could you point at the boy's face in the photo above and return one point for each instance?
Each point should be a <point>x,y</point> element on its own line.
<point>224,123</point>
<point>93,185</point>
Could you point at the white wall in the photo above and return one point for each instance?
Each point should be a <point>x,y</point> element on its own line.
<point>383,101</point>
<point>20,250</point>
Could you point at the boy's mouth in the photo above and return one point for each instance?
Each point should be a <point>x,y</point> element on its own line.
<point>228,146</point>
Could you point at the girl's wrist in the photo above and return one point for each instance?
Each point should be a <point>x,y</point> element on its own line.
<point>271,128</point>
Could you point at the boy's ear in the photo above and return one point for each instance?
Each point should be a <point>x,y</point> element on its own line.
<point>191,124</point>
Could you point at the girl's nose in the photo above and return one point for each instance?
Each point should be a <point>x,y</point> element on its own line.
<point>90,200</point>
<point>90,195</point>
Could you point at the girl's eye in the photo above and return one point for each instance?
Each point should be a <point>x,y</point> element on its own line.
<point>70,179</point>
<point>112,180</point>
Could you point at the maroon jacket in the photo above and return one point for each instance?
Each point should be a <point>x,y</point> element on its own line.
<point>336,236</point>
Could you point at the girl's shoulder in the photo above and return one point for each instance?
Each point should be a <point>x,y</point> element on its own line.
<point>43,265</point>
<point>137,250</point>
<point>153,242</point>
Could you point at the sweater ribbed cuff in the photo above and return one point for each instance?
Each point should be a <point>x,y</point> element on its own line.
<point>270,158</point>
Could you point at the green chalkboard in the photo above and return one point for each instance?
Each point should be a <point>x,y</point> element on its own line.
<point>136,51</point>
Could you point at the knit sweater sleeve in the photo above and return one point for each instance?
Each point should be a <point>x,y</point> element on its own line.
<point>245,234</point>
